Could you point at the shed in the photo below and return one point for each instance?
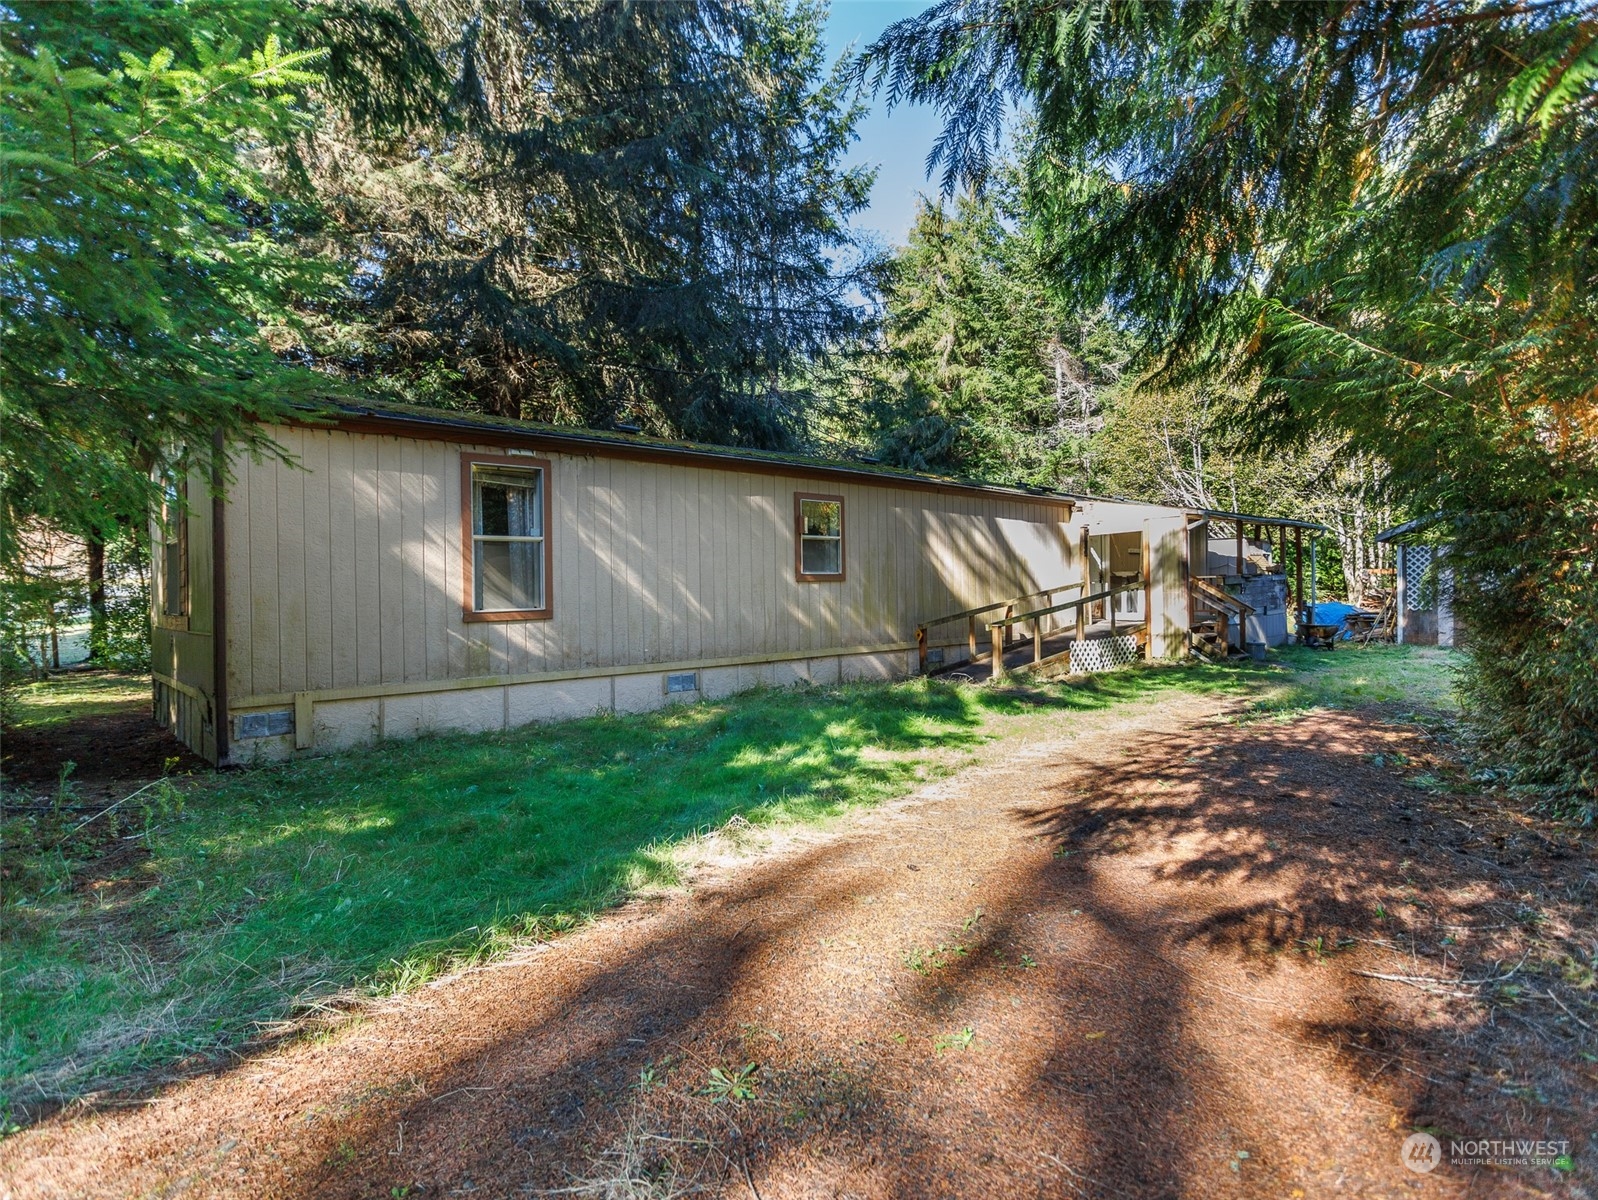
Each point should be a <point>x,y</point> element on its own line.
<point>1425,583</point>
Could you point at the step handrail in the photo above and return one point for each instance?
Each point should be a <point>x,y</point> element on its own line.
<point>1219,596</point>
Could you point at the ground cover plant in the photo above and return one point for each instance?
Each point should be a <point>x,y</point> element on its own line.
<point>241,902</point>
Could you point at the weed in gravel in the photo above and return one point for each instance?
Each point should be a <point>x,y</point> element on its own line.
<point>961,1040</point>
<point>1319,948</point>
<point>724,1083</point>
<point>925,962</point>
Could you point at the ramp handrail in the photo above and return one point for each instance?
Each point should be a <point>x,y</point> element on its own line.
<point>970,615</point>
<point>1000,627</point>
<point>1220,596</point>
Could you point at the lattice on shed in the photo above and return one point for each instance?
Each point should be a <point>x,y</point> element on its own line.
<point>1417,562</point>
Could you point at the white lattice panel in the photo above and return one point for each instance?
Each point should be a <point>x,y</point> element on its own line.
<point>1417,561</point>
<point>1103,654</point>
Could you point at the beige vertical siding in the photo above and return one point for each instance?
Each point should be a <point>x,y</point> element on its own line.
<point>1168,616</point>
<point>346,570</point>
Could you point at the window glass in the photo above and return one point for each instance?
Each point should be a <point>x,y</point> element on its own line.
<point>822,518</point>
<point>174,598</point>
<point>507,539</point>
<point>821,557</point>
<point>820,537</point>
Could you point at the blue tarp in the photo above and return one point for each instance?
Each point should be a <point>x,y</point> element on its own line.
<point>1331,612</point>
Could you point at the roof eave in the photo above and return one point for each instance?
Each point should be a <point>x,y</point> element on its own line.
<point>347,415</point>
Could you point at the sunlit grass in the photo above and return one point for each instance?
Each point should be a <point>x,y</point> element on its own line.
<point>1415,678</point>
<point>378,870</point>
<point>66,698</point>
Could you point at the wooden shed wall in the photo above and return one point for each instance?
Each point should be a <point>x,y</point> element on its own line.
<point>181,649</point>
<point>348,572</point>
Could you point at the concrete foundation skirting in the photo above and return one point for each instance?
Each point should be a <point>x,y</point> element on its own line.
<point>335,722</point>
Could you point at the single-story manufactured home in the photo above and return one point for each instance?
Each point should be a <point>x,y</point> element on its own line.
<point>412,570</point>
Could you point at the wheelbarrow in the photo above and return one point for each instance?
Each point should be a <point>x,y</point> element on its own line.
<point>1319,636</point>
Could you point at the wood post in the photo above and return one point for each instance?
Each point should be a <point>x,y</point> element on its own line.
<point>1037,640</point>
<point>1298,579</point>
<point>1148,586</point>
<point>1187,588</point>
<point>1082,621</point>
<point>1009,634</point>
<point>1239,524</point>
<point>921,647</point>
<point>1084,554</point>
<point>998,650</point>
<point>971,634</point>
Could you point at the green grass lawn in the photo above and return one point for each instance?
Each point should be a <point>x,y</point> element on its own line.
<point>70,697</point>
<point>1417,679</point>
<point>266,891</point>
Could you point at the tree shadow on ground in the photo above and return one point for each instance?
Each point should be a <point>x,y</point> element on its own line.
<point>283,887</point>
<point>1154,899</point>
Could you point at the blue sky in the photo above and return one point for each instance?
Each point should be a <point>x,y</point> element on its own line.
<point>898,143</point>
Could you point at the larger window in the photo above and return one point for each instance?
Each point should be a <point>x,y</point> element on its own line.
<point>818,538</point>
<point>506,511</point>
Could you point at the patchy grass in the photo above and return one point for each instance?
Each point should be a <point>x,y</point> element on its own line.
<point>269,892</point>
<point>1412,679</point>
<point>75,697</point>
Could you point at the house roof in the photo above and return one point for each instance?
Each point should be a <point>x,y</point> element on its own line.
<point>1255,518</point>
<point>415,421</point>
<point>1418,525</point>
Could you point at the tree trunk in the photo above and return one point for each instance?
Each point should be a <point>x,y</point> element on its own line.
<point>97,613</point>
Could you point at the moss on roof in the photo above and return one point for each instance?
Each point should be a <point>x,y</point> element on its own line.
<point>462,420</point>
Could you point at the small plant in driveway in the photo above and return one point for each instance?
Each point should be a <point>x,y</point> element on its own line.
<point>724,1084</point>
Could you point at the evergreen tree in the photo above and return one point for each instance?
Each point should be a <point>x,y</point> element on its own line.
<point>631,213</point>
<point>135,274</point>
<point>149,268</point>
<point>986,371</point>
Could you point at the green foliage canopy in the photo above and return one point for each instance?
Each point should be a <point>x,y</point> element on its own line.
<point>138,267</point>
<point>985,370</point>
<point>1379,218</point>
<point>626,212</point>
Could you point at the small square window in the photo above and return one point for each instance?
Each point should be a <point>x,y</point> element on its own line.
<point>818,536</point>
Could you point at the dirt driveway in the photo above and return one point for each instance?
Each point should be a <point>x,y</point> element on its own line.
<point>1141,960</point>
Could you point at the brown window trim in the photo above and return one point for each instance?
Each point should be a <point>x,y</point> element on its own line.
<point>798,540</point>
<point>468,612</point>
<point>178,620</point>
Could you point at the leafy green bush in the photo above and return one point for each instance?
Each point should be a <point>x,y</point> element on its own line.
<point>1527,599</point>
